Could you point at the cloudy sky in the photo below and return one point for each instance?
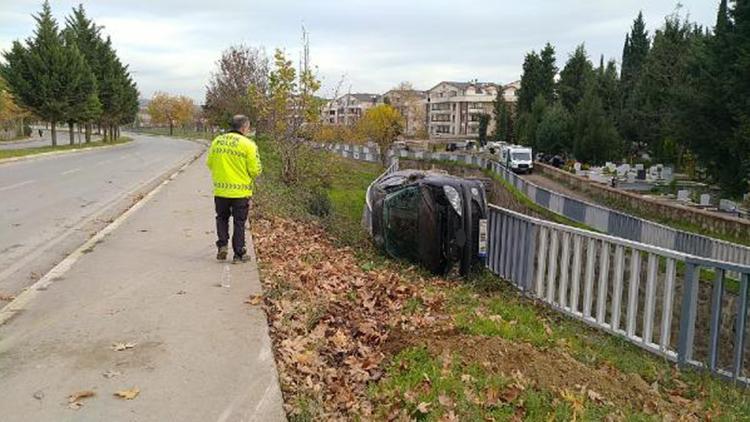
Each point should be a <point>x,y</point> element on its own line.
<point>172,45</point>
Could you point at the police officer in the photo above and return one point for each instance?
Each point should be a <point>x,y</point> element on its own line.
<point>234,163</point>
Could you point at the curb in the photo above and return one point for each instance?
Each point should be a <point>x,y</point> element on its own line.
<point>53,153</point>
<point>14,307</point>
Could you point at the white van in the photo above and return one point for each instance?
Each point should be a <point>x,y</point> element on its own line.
<point>517,158</point>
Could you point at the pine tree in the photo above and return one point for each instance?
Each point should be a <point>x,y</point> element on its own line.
<point>634,54</point>
<point>46,76</point>
<point>574,78</point>
<point>596,138</point>
<point>656,93</point>
<point>530,88</point>
<point>86,35</point>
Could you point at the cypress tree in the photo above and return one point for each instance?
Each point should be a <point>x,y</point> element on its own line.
<point>634,54</point>
<point>574,78</point>
<point>547,71</point>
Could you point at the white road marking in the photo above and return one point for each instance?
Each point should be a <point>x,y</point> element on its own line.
<point>71,171</point>
<point>17,185</point>
<point>61,268</point>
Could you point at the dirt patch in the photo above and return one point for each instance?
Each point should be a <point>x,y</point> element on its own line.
<point>553,370</point>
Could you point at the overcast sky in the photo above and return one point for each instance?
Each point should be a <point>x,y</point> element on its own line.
<point>172,45</point>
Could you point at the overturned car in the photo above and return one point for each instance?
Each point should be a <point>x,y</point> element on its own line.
<point>430,218</point>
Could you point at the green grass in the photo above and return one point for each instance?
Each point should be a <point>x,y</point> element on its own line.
<point>457,384</point>
<point>22,152</point>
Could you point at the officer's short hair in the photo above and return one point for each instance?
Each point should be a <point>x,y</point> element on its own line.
<point>239,121</point>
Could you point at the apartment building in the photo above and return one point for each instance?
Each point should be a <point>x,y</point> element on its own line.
<point>349,108</point>
<point>454,108</point>
<point>412,104</point>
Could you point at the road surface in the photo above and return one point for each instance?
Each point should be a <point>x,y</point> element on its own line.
<point>51,205</point>
<point>34,141</point>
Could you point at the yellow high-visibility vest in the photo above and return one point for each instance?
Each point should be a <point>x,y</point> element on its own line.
<point>234,163</point>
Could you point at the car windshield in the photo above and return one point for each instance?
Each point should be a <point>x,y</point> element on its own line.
<point>521,156</point>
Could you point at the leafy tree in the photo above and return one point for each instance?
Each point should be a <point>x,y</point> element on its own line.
<point>165,109</point>
<point>595,136</point>
<point>634,54</point>
<point>46,75</point>
<point>239,70</point>
<point>503,118</point>
<point>574,78</point>
<point>484,122</point>
<point>382,124</point>
<point>553,135</point>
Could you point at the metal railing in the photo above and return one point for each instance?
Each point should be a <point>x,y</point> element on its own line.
<point>646,294</point>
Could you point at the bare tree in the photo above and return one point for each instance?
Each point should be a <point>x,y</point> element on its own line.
<point>239,70</point>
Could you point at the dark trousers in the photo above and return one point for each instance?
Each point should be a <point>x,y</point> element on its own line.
<point>237,208</point>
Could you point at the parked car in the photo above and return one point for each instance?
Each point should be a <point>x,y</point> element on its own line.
<point>430,218</point>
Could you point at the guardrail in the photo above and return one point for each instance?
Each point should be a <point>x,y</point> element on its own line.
<point>643,293</point>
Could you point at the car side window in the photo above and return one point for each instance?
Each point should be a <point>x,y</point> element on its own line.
<point>401,217</point>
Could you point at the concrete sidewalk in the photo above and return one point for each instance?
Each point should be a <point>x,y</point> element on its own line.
<point>200,353</point>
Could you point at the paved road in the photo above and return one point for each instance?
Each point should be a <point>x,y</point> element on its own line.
<point>200,353</point>
<point>53,204</point>
<point>46,139</point>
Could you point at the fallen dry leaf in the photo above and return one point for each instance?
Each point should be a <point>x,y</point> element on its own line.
<point>254,299</point>
<point>6,298</point>
<point>80,395</point>
<point>595,397</point>
<point>128,394</point>
<point>423,407</point>
<point>445,401</point>
<point>119,347</point>
<point>510,394</point>
<point>75,405</point>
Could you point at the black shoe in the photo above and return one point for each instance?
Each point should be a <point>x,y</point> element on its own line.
<point>222,253</point>
<point>241,256</point>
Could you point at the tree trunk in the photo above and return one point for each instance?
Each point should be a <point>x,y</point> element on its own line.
<point>71,133</point>
<point>53,124</point>
<point>112,133</point>
<point>118,132</point>
<point>87,130</point>
<point>171,128</point>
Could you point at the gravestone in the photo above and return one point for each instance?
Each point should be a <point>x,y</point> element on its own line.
<point>705,199</point>
<point>683,195</point>
<point>577,167</point>
<point>623,169</point>
<point>727,205</point>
